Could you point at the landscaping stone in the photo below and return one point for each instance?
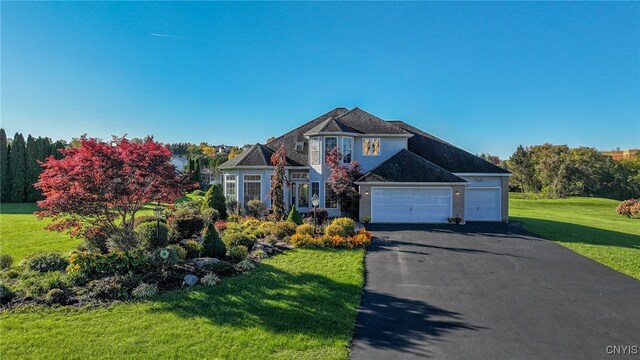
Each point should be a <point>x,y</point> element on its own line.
<point>204,261</point>
<point>190,279</point>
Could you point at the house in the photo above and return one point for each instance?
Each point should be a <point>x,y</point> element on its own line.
<point>410,176</point>
<point>622,154</point>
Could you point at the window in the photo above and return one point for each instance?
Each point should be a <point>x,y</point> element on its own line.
<point>252,188</point>
<point>230,187</point>
<point>299,176</point>
<point>315,151</point>
<point>330,200</point>
<point>315,188</point>
<point>303,195</point>
<point>370,146</point>
<point>347,144</point>
<point>329,144</point>
<point>299,145</point>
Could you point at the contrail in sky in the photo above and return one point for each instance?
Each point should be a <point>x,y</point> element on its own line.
<point>166,35</point>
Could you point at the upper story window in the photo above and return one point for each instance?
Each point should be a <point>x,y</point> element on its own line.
<point>315,151</point>
<point>299,145</point>
<point>371,146</point>
<point>329,144</point>
<point>230,187</point>
<point>347,145</point>
<point>299,176</point>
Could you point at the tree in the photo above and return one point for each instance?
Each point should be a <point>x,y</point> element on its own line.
<point>342,181</point>
<point>17,166</point>
<point>495,160</point>
<point>279,161</point>
<point>214,198</point>
<point>521,166</point>
<point>32,169</point>
<point>233,152</point>
<point>212,246</point>
<point>294,216</point>
<point>56,148</point>
<point>4,167</point>
<point>99,187</point>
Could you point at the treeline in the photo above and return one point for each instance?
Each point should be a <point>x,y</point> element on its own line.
<point>19,167</point>
<point>559,171</point>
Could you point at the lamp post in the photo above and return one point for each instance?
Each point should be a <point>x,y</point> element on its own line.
<point>315,201</point>
<point>157,211</point>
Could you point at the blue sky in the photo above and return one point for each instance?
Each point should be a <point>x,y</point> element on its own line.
<point>484,76</point>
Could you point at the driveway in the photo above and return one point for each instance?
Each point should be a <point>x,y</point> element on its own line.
<point>489,291</point>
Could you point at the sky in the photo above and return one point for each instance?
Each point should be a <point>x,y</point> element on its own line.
<point>484,76</point>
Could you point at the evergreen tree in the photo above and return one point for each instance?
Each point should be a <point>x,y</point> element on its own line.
<point>4,167</point>
<point>212,246</point>
<point>17,164</point>
<point>55,149</point>
<point>214,198</point>
<point>294,216</point>
<point>278,160</point>
<point>31,170</point>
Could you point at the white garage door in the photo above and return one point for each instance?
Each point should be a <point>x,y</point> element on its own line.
<point>482,204</point>
<point>410,205</point>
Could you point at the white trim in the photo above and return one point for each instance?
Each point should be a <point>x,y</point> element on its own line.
<point>464,205</point>
<point>410,187</point>
<point>329,133</point>
<point>391,184</point>
<point>251,181</point>
<point>484,174</point>
<point>263,167</point>
<point>342,139</point>
<point>235,185</point>
<point>371,138</point>
<point>324,196</point>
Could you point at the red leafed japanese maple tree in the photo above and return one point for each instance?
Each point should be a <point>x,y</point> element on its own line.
<point>101,186</point>
<point>342,181</point>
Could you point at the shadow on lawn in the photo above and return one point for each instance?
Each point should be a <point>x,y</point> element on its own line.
<point>575,233</point>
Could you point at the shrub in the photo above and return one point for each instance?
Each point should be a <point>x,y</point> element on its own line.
<point>146,218</point>
<point>238,253</point>
<point>366,219</point>
<point>212,246</point>
<point>185,223</point>
<point>259,254</point>
<point>96,265</point>
<point>46,261</point>
<point>149,236</point>
<point>233,207</point>
<point>144,291</point>
<point>222,268</point>
<point>294,216</point>
<point>348,225</point>
<point>76,278</point>
<point>6,294</point>
<point>305,229</point>
<point>335,230</point>
<point>635,210</point>
<point>246,265</point>
<point>338,241</point>
<point>35,285</point>
<point>5,261</point>
<point>210,279</point>
<point>625,207</point>
<point>361,239</point>
<point>220,225</point>
<point>271,240</point>
<point>56,296</point>
<point>232,239</point>
<point>180,251</point>
<point>299,240</point>
<point>285,228</point>
<point>199,192</point>
<point>214,199</point>
<point>111,288</point>
<point>255,208</point>
<point>122,240</point>
<point>210,215</point>
<point>321,215</point>
<point>193,249</point>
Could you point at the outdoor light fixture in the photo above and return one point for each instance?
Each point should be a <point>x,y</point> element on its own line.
<point>366,192</point>
<point>457,192</point>
<point>315,201</point>
<point>157,211</point>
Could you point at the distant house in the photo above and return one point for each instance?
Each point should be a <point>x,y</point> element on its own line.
<point>622,154</point>
<point>410,176</point>
<point>179,162</point>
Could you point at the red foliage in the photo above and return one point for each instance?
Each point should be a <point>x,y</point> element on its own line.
<point>342,178</point>
<point>99,183</point>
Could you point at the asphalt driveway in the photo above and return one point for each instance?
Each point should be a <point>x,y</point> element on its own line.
<point>489,291</point>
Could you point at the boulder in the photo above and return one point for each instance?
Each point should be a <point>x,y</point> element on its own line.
<point>204,261</point>
<point>190,279</point>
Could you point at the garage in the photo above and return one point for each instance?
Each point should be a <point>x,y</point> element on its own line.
<point>482,204</point>
<point>411,205</point>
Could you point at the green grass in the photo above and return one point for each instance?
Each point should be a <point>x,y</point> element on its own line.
<point>22,234</point>
<point>588,226</point>
<point>298,305</point>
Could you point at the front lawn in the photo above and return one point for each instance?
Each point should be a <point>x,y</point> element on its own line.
<point>300,304</point>
<point>588,226</point>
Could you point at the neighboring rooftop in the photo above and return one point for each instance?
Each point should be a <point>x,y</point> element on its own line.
<point>622,154</point>
<point>256,155</point>
<point>395,168</point>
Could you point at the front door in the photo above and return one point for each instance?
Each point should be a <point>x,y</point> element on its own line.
<point>300,194</point>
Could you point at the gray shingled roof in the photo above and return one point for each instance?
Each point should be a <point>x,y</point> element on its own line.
<point>331,125</point>
<point>256,155</point>
<point>366,123</point>
<point>395,168</point>
<point>445,155</point>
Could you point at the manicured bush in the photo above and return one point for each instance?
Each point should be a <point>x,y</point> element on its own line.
<point>210,215</point>
<point>259,254</point>
<point>629,208</point>
<point>305,240</point>
<point>305,229</point>
<point>348,225</point>
<point>180,251</point>
<point>111,288</point>
<point>35,285</point>
<point>238,253</point>
<point>5,261</point>
<point>245,265</point>
<point>285,228</point>
<point>221,268</point>
<point>210,279</point>
<point>335,230</point>
<point>361,239</point>
<point>214,199</point>
<point>271,239</point>
<point>232,239</point>
<point>184,223</point>
<point>122,240</point>
<point>144,291</point>
<point>255,208</point>
<point>46,261</point>
<point>96,265</point>
<point>193,248</point>
<point>212,246</point>
<point>6,294</point>
<point>294,216</point>
<point>149,236</point>
<point>321,215</point>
